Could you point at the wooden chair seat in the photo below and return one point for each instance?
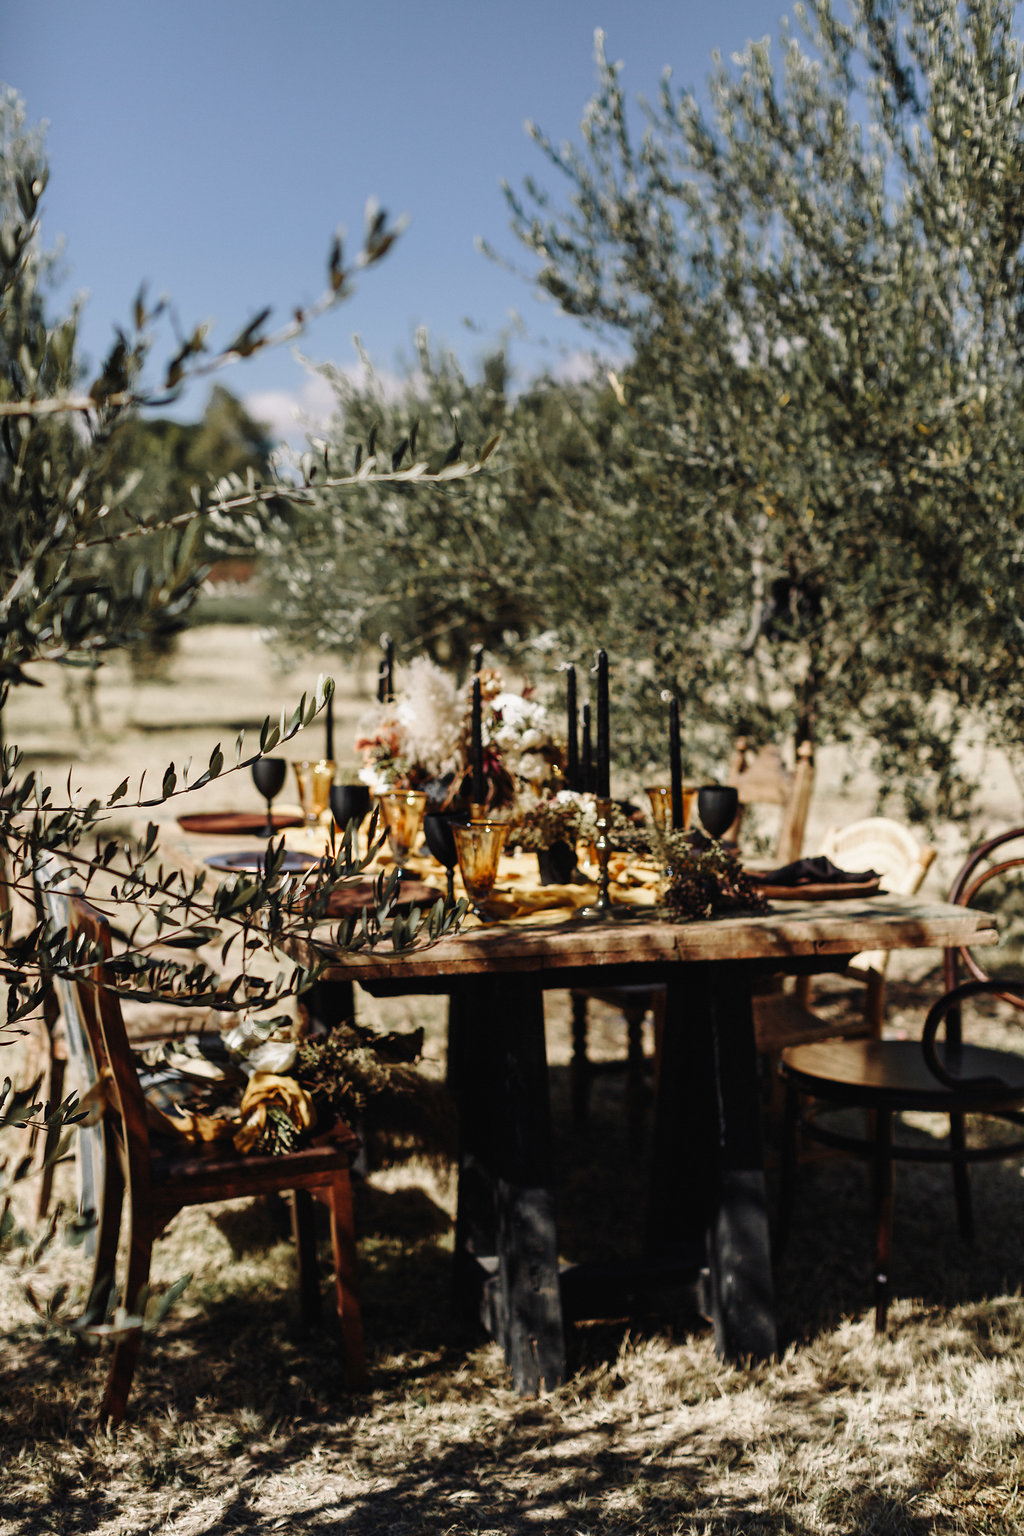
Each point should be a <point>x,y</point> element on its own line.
<point>890,1078</point>
<point>215,1171</point>
<point>893,1074</point>
<point>156,1176</point>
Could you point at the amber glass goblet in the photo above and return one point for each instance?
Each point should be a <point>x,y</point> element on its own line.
<point>315,778</point>
<point>660,796</point>
<point>479,846</point>
<point>403,811</point>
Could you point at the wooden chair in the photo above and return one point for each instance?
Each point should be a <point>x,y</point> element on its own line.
<point>890,1078</point>
<point>159,1177</point>
<point>893,852</point>
<point>760,778</point>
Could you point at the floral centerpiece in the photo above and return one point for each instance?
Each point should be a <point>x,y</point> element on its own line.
<point>422,739</point>
<point>520,749</point>
<point>416,739</point>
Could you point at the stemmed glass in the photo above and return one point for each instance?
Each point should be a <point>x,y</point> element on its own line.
<point>315,779</point>
<point>438,829</point>
<point>349,802</point>
<point>269,774</point>
<point>717,805</point>
<point>660,796</point>
<point>403,811</point>
<point>349,805</point>
<point>479,845</point>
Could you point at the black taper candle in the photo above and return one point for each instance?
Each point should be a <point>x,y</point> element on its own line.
<point>389,657</point>
<point>602,785</point>
<point>587,767</point>
<point>572,745</point>
<point>382,682</point>
<point>477,742</point>
<point>675,765</point>
<point>478,657</point>
<point>329,728</point>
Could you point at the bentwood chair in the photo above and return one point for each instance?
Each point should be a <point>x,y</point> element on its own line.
<point>158,1176</point>
<point>893,1078</point>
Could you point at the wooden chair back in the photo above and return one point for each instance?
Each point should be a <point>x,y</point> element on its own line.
<point>886,846</point>
<point>156,1177</point>
<point>123,1102</point>
<point>761,778</point>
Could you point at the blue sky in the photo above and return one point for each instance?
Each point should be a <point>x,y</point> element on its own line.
<point>211,147</point>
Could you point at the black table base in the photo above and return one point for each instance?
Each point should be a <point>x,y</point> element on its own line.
<point>706,1238</point>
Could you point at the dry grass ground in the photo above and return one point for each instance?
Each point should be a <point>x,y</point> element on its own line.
<point>236,1422</point>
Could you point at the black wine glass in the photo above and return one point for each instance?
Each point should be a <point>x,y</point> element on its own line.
<point>440,839</point>
<point>349,802</point>
<point>717,805</point>
<point>269,774</point>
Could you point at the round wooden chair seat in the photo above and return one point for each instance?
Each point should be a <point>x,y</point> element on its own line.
<point>893,1074</point>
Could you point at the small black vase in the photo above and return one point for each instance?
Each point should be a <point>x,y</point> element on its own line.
<point>557,864</point>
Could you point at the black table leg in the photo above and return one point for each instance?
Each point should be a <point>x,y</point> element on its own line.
<point>708,1168</point>
<point>327,1003</point>
<point>506,1200</point>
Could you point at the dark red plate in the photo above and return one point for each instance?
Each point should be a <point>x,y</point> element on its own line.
<point>237,823</point>
<point>350,900</point>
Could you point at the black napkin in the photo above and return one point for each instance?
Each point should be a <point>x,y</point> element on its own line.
<point>819,871</point>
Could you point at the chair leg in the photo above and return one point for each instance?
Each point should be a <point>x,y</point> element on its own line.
<point>961,1181</point>
<point>346,1289</point>
<point>787,1167</point>
<point>304,1233</point>
<point>126,1350</point>
<point>634,1073</point>
<point>579,1068</point>
<point>874,1003</point>
<point>882,1191</point>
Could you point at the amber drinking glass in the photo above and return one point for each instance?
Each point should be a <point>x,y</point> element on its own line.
<point>402,810</point>
<point>479,847</point>
<point>315,779</point>
<point>660,796</point>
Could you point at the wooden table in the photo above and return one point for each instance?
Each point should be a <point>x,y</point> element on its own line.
<point>706,1206</point>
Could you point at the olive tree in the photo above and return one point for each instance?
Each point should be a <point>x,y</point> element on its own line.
<point>813,520</point>
<point>63,506</point>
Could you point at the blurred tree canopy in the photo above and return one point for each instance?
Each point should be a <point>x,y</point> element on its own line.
<point>818,286</point>
<point>441,568</point>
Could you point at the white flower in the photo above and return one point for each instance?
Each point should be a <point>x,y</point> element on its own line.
<point>377,781</point>
<point>533,768</point>
<point>277,1056</point>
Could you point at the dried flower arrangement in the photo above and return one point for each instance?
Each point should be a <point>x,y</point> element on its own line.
<point>704,879</point>
<point>416,737</point>
<point>422,738</point>
<point>271,1093</point>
